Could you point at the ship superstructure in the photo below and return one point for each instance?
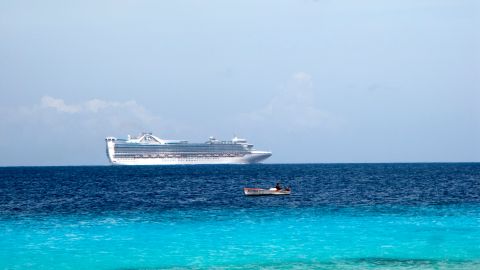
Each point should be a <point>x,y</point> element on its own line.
<point>148,149</point>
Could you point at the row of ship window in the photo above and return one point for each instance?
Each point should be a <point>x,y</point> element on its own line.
<point>177,149</point>
<point>118,155</point>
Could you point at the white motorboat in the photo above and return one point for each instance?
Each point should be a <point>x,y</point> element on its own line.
<point>261,191</point>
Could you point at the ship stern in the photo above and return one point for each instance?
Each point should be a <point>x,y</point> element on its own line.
<point>110,149</point>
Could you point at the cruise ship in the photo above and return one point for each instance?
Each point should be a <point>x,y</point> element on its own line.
<point>148,149</point>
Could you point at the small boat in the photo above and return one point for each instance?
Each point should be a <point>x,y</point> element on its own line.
<point>261,191</point>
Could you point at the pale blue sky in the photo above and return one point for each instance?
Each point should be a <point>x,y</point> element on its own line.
<point>312,81</point>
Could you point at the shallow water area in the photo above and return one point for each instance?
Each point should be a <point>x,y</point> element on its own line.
<point>390,216</point>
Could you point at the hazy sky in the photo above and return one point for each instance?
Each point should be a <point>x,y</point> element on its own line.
<point>312,81</point>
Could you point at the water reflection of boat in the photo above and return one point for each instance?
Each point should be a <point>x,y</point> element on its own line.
<point>261,191</point>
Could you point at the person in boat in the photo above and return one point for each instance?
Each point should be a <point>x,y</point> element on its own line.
<point>287,189</point>
<point>278,187</point>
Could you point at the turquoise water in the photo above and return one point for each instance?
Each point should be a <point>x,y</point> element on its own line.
<point>430,238</point>
<point>369,216</point>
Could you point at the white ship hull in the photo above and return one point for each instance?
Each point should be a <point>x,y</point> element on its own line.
<point>254,157</point>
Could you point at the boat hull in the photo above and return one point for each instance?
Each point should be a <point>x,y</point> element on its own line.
<point>253,157</point>
<point>263,192</point>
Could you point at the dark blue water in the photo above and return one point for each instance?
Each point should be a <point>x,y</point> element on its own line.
<point>339,216</point>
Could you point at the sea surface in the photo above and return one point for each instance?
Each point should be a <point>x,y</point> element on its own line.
<point>339,216</point>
